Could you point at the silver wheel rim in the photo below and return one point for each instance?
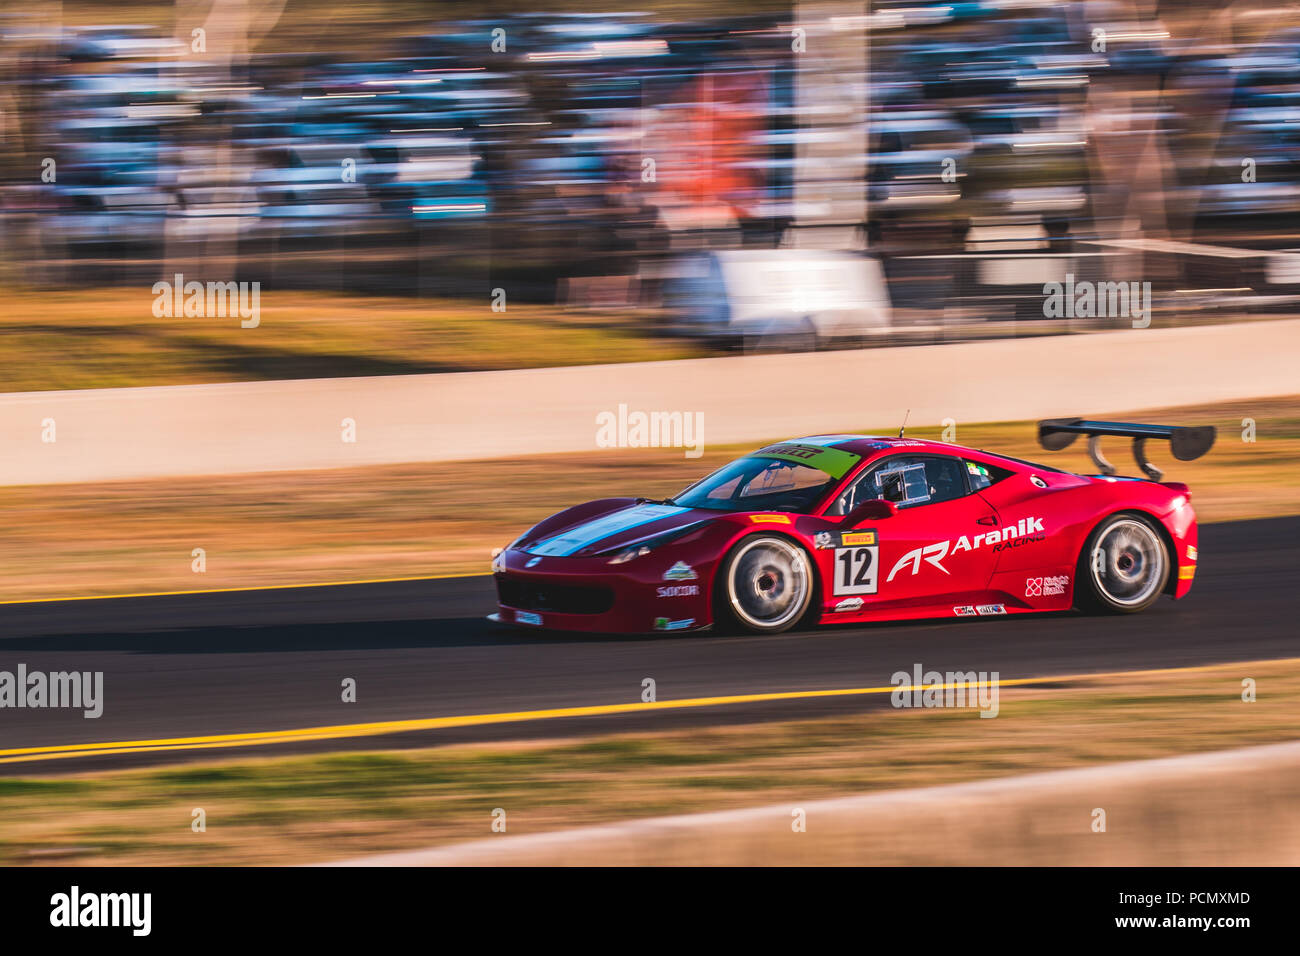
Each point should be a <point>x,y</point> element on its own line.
<point>768,583</point>
<point>1128,562</point>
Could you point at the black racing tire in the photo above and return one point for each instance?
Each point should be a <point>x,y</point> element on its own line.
<point>1123,567</point>
<point>765,585</point>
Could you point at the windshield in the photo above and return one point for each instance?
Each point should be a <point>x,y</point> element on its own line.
<point>759,484</point>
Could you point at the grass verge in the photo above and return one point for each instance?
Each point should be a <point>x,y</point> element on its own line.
<point>109,338</point>
<point>283,810</point>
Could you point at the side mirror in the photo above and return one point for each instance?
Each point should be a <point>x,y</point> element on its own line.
<point>876,509</point>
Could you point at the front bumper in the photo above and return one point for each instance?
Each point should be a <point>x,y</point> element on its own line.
<point>589,594</point>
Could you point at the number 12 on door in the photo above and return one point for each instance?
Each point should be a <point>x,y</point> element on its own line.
<point>855,570</point>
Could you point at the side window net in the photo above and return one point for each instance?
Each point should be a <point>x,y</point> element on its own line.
<point>903,485</point>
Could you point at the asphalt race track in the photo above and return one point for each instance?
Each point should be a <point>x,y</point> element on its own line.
<point>240,662</point>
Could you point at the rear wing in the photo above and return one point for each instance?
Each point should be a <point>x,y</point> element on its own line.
<point>1186,443</point>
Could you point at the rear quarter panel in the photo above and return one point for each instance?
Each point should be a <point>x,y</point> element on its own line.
<point>1070,507</point>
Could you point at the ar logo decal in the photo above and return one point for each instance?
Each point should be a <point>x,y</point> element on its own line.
<point>932,553</point>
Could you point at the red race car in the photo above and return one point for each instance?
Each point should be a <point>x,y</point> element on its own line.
<point>855,528</point>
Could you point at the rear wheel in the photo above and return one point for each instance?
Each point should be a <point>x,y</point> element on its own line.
<point>1124,565</point>
<point>766,584</point>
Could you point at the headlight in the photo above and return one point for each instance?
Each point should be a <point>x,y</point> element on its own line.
<point>498,561</point>
<point>627,554</point>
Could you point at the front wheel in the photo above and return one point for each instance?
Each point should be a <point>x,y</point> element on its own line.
<point>1124,566</point>
<point>766,584</point>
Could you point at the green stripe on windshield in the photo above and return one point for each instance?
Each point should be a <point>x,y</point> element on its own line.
<point>834,461</point>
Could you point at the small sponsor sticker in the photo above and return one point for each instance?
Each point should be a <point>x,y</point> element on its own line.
<point>983,609</point>
<point>1186,574</point>
<point>849,604</point>
<point>528,617</point>
<point>1053,585</point>
<point>769,519</point>
<point>679,590</point>
<point>665,624</point>
<point>681,571</point>
<point>823,540</point>
<point>965,610</point>
<point>848,538</point>
<point>1191,552</point>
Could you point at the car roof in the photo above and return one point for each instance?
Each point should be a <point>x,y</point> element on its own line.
<point>866,446</point>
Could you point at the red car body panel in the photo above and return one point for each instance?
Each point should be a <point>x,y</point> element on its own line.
<point>1010,548</point>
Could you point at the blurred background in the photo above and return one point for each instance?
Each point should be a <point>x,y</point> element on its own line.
<point>466,187</point>
<point>775,174</point>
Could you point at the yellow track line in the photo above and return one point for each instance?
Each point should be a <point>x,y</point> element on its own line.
<point>344,731</point>
<point>254,587</point>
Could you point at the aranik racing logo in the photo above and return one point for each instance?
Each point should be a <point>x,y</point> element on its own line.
<point>1012,536</point>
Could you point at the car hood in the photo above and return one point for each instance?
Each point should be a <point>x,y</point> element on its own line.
<point>621,527</point>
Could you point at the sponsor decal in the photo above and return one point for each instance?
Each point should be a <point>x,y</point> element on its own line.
<point>849,604</point>
<point>849,538</point>
<point>1022,532</point>
<point>834,461</point>
<point>1186,574</point>
<point>528,617</point>
<point>679,590</point>
<point>965,610</point>
<point>664,624</point>
<point>681,571</point>
<point>533,562</point>
<point>1051,586</point>
<point>1191,552</point>
<point>823,540</point>
<point>769,519</point>
<point>990,609</point>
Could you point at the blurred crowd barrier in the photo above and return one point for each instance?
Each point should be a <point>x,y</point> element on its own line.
<point>964,154</point>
